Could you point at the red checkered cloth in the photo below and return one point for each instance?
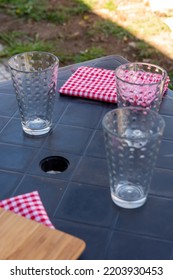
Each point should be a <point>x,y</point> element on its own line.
<point>29,206</point>
<point>99,84</point>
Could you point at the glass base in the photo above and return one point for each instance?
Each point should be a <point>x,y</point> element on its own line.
<point>37,127</point>
<point>128,196</point>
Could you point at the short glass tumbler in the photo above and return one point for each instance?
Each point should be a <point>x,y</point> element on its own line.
<point>34,76</point>
<point>132,139</point>
<point>140,84</point>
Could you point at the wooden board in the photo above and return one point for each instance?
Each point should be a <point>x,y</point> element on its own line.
<point>23,239</point>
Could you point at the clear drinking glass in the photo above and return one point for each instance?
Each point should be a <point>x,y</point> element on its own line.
<point>132,139</point>
<point>34,76</point>
<point>140,84</point>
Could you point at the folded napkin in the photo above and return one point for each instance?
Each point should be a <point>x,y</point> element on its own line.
<point>29,206</point>
<point>99,84</point>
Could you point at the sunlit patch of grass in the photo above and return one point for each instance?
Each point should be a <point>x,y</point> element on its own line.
<point>90,3</point>
<point>150,26</point>
<point>110,5</point>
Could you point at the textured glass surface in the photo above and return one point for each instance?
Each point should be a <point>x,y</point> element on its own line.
<point>34,76</point>
<point>132,140</point>
<point>140,84</point>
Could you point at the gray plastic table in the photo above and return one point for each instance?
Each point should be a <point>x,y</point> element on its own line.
<point>77,197</point>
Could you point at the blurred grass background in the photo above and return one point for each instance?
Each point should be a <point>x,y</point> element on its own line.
<point>80,30</point>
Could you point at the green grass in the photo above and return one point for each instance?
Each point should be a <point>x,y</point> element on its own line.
<point>150,26</point>
<point>110,5</point>
<point>170,74</point>
<point>108,28</point>
<point>17,42</point>
<point>93,30</point>
<point>23,8</point>
<point>90,3</point>
<point>90,53</point>
<point>41,10</point>
<point>145,50</point>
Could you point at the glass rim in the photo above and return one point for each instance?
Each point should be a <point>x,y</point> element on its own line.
<point>56,62</point>
<point>130,108</point>
<point>165,74</point>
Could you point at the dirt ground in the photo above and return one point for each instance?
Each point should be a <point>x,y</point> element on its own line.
<point>72,37</point>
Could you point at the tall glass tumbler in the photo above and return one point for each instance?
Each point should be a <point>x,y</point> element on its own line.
<point>132,139</point>
<point>140,84</point>
<point>34,76</point>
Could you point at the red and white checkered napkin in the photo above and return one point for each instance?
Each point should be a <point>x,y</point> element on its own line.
<point>97,83</point>
<point>93,83</point>
<point>29,206</point>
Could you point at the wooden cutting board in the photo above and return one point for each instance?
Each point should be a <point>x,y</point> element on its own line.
<point>23,239</point>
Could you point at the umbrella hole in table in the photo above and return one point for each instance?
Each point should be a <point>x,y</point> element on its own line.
<point>54,164</point>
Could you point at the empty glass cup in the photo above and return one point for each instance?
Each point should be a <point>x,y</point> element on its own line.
<point>132,139</point>
<point>140,84</point>
<point>34,76</point>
